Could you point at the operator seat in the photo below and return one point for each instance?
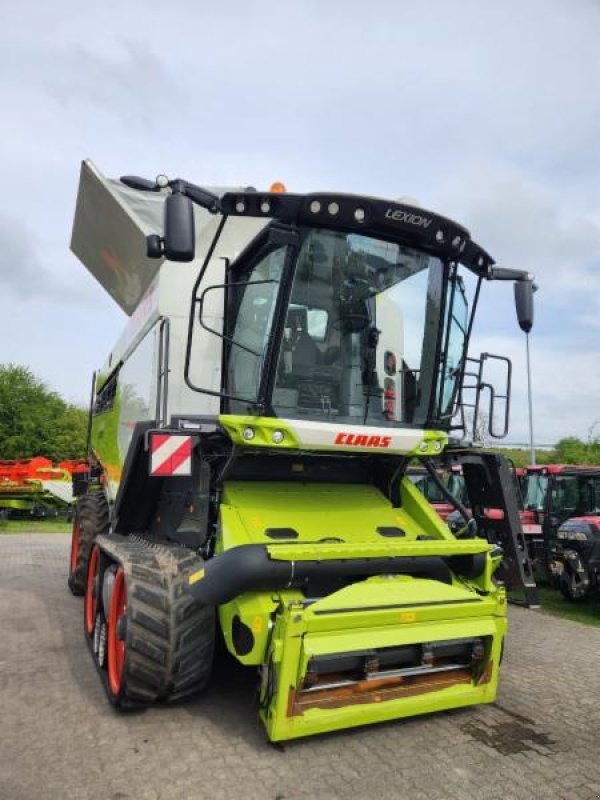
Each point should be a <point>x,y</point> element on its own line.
<point>317,377</point>
<point>306,355</point>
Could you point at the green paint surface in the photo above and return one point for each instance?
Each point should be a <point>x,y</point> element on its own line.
<point>335,521</point>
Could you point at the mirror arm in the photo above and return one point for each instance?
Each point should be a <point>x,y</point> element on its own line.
<point>504,274</point>
<point>201,197</point>
<point>211,202</point>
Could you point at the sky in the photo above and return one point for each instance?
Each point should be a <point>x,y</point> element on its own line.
<point>486,112</point>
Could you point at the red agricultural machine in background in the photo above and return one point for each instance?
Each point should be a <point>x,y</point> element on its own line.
<point>452,479</point>
<point>35,487</point>
<point>486,510</point>
<point>561,523</point>
<point>559,511</point>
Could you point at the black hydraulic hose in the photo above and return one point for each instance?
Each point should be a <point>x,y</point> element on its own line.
<point>447,494</point>
<point>249,568</point>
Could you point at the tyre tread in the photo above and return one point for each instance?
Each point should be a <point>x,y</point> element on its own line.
<point>93,514</point>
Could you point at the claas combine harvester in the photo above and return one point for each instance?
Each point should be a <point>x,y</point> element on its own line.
<point>286,358</point>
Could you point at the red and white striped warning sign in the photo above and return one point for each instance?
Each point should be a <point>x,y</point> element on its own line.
<point>170,454</point>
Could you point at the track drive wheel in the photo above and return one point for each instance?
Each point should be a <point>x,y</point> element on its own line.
<point>160,643</point>
<point>117,620</point>
<point>91,518</point>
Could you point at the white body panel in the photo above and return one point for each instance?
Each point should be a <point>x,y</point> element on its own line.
<point>109,237</point>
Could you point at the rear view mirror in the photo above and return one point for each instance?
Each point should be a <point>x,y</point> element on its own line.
<point>180,234</point>
<point>524,304</point>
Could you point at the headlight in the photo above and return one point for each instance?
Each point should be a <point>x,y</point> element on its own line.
<point>573,536</point>
<point>579,536</point>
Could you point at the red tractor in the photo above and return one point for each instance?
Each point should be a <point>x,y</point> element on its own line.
<point>559,512</point>
<point>453,481</point>
<point>561,523</point>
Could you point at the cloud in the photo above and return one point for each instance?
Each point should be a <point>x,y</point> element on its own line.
<point>488,113</point>
<point>131,83</point>
<point>25,276</point>
<point>525,224</point>
<point>20,269</point>
<point>565,388</point>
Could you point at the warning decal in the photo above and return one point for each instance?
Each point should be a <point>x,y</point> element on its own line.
<point>170,454</point>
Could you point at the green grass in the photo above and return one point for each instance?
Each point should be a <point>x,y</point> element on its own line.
<point>586,611</point>
<point>34,526</point>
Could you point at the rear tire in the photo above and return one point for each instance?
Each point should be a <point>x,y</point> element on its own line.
<point>91,591</point>
<point>91,519</point>
<point>569,590</point>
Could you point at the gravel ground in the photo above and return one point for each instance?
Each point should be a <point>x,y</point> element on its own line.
<point>60,739</point>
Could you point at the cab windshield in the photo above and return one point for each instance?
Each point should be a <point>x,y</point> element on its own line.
<point>535,486</point>
<point>360,336</point>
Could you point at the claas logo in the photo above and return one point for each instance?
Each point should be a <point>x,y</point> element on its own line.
<point>361,440</point>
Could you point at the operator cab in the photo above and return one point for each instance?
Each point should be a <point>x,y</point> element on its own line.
<point>343,309</point>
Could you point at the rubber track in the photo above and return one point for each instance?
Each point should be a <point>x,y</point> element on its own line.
<point>93,514</point>
<point>169,639</point>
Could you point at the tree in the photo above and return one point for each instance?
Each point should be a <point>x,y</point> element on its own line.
<point>35,420</point>
<point>574,451</point>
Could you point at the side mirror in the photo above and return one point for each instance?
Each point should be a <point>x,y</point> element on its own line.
<point>524,304</point>
<point>180,233</point>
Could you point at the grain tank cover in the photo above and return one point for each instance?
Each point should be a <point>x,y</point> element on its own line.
<point>109,234</point>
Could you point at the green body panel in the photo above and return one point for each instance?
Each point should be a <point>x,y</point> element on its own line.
<point>263,427</point>
<point>30,498</point>
<point>418,611</point>
<point>254,611</point>
<point>20,504</point>
<point>430,442</point>
<point>344,512</point>
<point>341,521</point>
<point>105,440</point>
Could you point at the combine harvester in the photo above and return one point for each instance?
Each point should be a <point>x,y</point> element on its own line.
<point>34,487</point>
<point>287,357</point>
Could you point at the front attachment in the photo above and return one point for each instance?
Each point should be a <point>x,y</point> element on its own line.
<point>385,648</point>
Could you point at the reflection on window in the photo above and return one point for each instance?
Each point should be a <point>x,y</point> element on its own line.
<point>457,314</point>
<point>361,332</point>
<point>252,328</point>
<point>105,399</point>
<point>137,389</point>
<point>535,489</point>
<point>576,496</point>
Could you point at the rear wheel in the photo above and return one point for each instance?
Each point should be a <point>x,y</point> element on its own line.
<point>91,592</point>
<point>571,588</point>
<point>91,519</point>
<point>75,536</point>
